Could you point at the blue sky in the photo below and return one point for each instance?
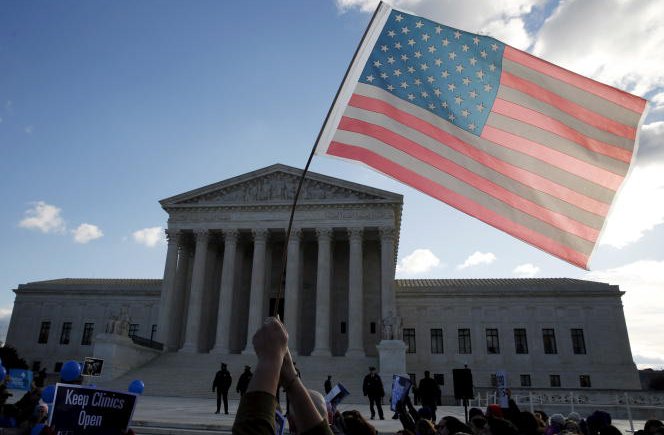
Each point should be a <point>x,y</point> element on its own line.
<point>108,106</point>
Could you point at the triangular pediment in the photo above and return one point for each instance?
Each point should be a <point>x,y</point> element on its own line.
<point>278,184</point>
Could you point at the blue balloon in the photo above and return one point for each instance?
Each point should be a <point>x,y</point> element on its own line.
<point>48,394</point>
<point>137,386</point>
<point>70,371</point>
<point>36,430</point>
<point>3,373</point>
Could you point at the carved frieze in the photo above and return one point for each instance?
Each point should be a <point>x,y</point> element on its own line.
<point>278,187</point>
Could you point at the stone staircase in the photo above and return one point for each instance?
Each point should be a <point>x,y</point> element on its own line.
<point>190,374</point>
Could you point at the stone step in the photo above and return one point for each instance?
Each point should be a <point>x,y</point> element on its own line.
<point>190,375</point>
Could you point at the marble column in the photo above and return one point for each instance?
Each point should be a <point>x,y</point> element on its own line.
<point>257,291</point>
<point>355,295</point>
<point>322,345</point>
<point>168,289</point>
<point>292,291</point>
<point>176,335</point>
<point>387,297</point>
<point>223,336</point>
<point>196,294</point>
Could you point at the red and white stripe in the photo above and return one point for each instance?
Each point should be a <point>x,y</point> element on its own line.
<point>546,168</point>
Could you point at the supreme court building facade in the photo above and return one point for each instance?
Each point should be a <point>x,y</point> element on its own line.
<point>223,270</point>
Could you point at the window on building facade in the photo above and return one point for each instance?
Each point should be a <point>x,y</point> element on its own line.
<point>578,342</point>
<point>153,331</point>
<point>88,330</point>
<point>409,339</point>
<point>44,331</point>
<point>525,381</point>
<point>554,380</point>
<point>494,380</point>
<point>65,333</point>
<point>549,339</point>
<point>436,340</point>
<point>492,344</point>
<point>464,341</point>
<point>439,378</point>
<point>343,327</point>
<point>133,329</point>
<point>584,381</point>
<point>57,367</point>
<point>520,340</point>
<point>372,327</point>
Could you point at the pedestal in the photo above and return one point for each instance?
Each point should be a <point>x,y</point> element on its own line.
<point>391,360</point>
<point>120,355</point>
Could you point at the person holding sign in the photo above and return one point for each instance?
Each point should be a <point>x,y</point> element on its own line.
<point>257,409</point>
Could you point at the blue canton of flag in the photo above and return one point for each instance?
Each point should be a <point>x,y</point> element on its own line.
<point>451,73</point>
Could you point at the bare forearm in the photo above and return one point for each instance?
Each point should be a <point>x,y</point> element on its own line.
<point>266,377</point>
<point>306,416</point>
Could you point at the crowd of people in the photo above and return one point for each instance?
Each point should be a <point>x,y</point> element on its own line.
<point>308,413</point>
<point>311,415</point>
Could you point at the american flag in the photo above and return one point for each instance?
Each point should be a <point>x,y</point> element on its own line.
<point>526,146</point>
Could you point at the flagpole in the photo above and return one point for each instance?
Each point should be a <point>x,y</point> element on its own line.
<point>284,257</point>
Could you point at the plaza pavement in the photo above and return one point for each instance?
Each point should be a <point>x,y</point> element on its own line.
<point>179,415</point>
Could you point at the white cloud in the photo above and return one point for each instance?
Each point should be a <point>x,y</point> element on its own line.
<point>657,102</point>
<point>86,233</point>
<point>651,143</point>
<point>643,303</point>
<point>419,261</point>
<point>638,209</point>
<point>510,30</point>
<point>43,217</point>
<point>478,258</point>
<point>5,312</point>
<point>484,16</point>
<point>622,49</point>
<point>149,236</point>
<point>527,270</point>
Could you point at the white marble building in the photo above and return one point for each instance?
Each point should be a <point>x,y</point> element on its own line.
<point>222,273</point>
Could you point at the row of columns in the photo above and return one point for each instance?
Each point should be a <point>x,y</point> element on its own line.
<point>168,325</point>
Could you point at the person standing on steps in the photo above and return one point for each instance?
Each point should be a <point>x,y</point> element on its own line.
<point>328,384</point>
<point>372,387</point>
<point>243,382</point>
<point>222,383</point>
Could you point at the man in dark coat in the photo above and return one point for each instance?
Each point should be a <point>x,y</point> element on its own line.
<point>373,388</point>
<point>222,382</point>
<point>243,382</point>
<point>328,384</point>
<point>429,392</point>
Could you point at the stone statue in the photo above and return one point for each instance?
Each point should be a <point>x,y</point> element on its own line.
<point>391,326</point>
<point>119,325</point>
<point>110,324</point>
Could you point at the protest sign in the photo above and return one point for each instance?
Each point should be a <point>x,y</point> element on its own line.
<point>501,389</point>
<point>19,379</point>
<point>400,389</point>
<point>336,395</point>
<point>92,366</point>
<point>279,423</point>
<point>84,410</point>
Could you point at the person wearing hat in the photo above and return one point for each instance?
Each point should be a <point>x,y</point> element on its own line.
<point>243,382</point>
<point>222,382</point>
<point>373,388</point>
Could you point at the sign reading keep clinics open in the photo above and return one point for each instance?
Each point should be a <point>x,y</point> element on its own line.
<point>79,409</point>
